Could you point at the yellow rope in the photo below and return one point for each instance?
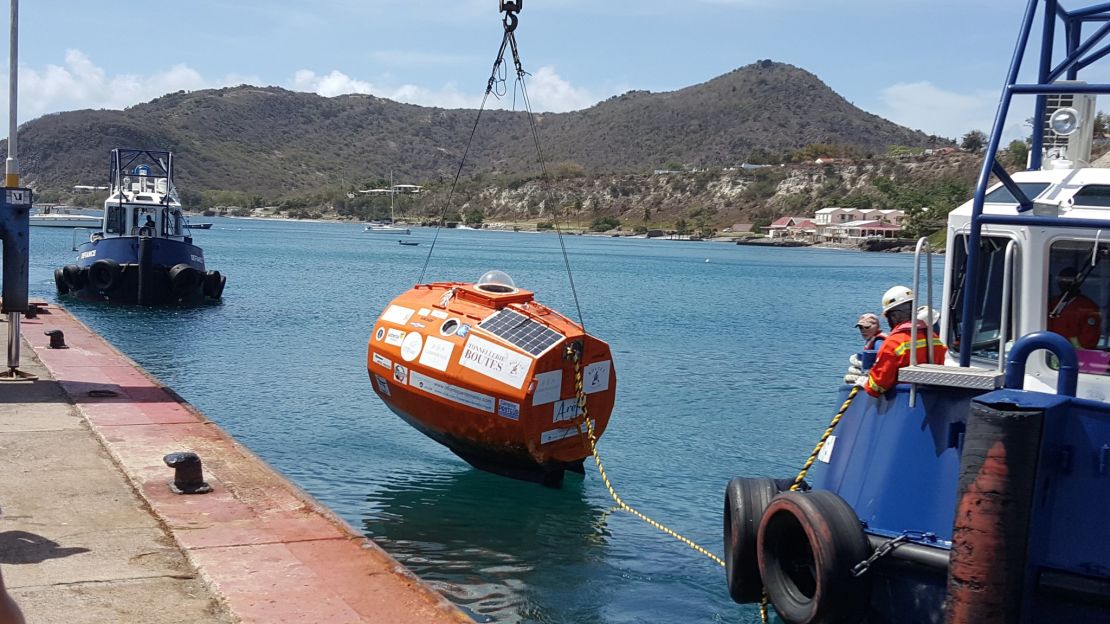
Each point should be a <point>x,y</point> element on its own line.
<point>591,438</point>
<point>763,617</point>
<point>824,437</point>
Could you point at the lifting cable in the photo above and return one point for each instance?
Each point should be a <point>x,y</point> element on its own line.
<point>496,86</point>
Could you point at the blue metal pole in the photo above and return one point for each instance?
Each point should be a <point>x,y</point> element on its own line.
<point>972,273</point>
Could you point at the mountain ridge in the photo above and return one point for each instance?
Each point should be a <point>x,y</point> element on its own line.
<point>274,142</point>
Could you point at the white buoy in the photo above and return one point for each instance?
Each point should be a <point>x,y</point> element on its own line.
<point>707,259</point>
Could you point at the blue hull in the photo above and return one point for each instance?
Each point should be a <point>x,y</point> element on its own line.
<point>925,473</point>
<point>141,270</point>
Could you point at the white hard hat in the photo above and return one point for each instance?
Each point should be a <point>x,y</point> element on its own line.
<point>895,297</point>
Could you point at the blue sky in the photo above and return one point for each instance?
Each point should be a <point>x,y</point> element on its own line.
<point>933,65</point>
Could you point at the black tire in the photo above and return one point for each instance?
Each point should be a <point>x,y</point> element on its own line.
<point>74,277</point>
<point>808,544</point>
<point>60,281</point>
<point>745,500</point>
<point>103,274</point>
<point>184,280</point>
<point>214,284</point>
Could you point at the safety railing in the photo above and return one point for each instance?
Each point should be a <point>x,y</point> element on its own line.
<point>1007,303</point>
<point>1067,380</point>
<point>922,245</point>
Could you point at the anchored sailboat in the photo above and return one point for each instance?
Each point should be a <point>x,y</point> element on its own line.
<point>391,227</point>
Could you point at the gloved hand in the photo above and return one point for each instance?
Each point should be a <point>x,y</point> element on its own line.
<point>861,381</point>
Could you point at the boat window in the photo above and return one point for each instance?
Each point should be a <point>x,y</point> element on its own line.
<point>1002,195</point>
<point>987,292</point>
<point>1078,297</point>
<point>117,220</point>
<point>1095,195</point>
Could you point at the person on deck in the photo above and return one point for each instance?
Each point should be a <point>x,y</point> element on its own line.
<point>894,354</point>
<point>871,332</point>
<point>1079,320</point>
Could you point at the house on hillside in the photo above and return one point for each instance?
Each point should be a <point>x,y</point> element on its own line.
<point>803,230</point>
<point>778,227</point>
<point>795,228</point>
<point>842,225</point>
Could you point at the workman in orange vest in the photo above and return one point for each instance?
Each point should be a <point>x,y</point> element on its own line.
<point>895,352</point>
<point>1080,319</point>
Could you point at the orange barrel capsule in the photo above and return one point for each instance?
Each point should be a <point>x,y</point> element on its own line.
<point>486,370</point>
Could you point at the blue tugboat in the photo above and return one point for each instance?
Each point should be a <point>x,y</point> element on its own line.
<point>143,253</point>
<point>977,490</point>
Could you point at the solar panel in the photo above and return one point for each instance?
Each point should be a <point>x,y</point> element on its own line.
<point>521,331</point>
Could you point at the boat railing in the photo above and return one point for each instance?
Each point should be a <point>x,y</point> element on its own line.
<point>1007,304</point>
<point>923,246</point>
<point>1068,379</point>
<point>74,241</point>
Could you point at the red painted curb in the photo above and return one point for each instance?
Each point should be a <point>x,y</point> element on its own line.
<point>265,547</point>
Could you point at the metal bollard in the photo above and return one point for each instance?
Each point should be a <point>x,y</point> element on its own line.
<point>57,338</point>
<point>188,477</point>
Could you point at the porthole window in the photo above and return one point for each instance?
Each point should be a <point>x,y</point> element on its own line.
<point>449,327</point>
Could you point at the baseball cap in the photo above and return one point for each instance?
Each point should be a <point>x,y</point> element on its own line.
<point>868,320</point>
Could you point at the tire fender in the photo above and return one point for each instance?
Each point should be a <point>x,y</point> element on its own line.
<point>808,544</point>
<point>745,500</point>
<point>60,281</point>
<point>74,277</point>
<point>184,279</point>
<point>103,274</point>
<point>214,284</point>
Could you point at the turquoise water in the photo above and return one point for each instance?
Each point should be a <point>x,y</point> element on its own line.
<point>725,368</point>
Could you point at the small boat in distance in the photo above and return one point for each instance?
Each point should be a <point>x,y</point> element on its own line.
<point>385,228</point>
<point>142,254</point>
<point>198,226</point>
<point>49,215</point>
<point>408,243</point>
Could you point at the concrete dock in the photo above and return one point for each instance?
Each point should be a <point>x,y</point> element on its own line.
<point>90,530</point>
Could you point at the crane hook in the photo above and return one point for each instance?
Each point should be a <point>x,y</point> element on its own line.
<point>510,8</point>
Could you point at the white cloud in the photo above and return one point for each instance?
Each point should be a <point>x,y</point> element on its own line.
<point>79,83</point>
<point>926,107</point>
<point>329,85</point>
<point>548,91</point>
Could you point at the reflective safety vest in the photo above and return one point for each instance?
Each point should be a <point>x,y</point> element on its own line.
<point>895,353</point>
